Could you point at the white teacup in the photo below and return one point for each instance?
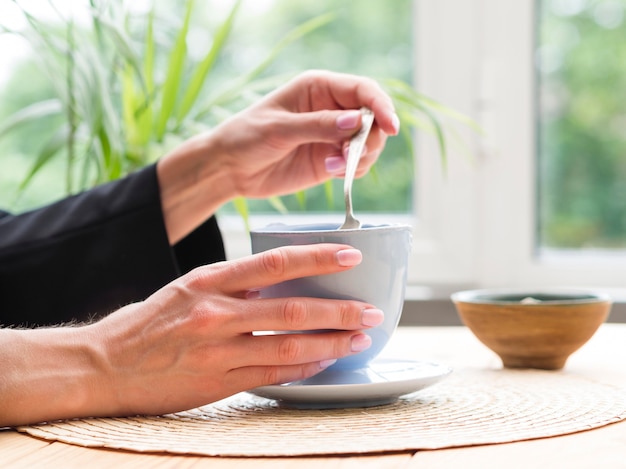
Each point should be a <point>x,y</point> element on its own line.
<point>380,279</point>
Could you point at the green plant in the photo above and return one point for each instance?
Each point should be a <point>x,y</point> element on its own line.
<point>120,113</point>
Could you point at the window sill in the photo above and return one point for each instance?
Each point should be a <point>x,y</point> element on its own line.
<point>441,312</point>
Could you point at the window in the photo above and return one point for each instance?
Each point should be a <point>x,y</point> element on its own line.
<point>484,222</point>
<point>581,127</point>
<point>510,214</point>
<point>479,225</point>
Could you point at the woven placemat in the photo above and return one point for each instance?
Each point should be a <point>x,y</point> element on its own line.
<point>468,408</point>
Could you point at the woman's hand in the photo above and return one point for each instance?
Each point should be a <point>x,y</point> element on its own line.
<point>291,140</point>
<point>295,137</point>
<point>188,344</point>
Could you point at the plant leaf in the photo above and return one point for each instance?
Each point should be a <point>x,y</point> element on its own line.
<point>441,139</point>
<point>31,113</point>
<point>416,105</point>
<point>199,76</point>
<point>292,36</point>
<point>123,46</point>
<point>215,106</point>
<point>145,111</point>
<point>278,204</point>
<point>129,104</point>
<point>174,73</point>
<point>329,192</point>
<point>301,199</point>
<point>400,88</point>
<point>51,148</point>
<point>298,32</point>
<point>406,133</point>
<point>241,205</point>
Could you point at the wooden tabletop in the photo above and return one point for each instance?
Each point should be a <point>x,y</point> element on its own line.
<point>602,358</point>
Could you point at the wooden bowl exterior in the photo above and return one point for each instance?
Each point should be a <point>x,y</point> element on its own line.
<point>533,335</point>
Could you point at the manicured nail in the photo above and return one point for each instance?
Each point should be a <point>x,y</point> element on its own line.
<point>349,257</point>
<point>395,122</point>
<point>360,342</point>
<point>372,317</point>
<point>335,164</point>
<point>348,120</point>
<point>327,363</point>
<point>253,294</point>
<point>346,149</point>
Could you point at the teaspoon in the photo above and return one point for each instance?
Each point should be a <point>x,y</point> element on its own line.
<point>354,155</point>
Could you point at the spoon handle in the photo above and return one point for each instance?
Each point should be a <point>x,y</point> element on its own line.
<point>356,147</point>
<point>354,155</point>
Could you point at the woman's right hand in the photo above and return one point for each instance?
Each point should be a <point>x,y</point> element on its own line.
<point>191,343</point>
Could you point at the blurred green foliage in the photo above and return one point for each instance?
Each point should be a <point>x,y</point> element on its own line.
<point>581,59</point>
<point>358,36</point>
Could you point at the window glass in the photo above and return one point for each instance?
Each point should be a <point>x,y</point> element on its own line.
<point>581,64</point>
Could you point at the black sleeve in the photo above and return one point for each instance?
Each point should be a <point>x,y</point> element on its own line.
<point>85,256</point>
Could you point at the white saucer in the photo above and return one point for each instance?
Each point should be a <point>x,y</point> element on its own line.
<point>382,382</point>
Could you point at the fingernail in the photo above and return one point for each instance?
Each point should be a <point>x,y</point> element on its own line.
<point>349,257</point>
<point>327,363</point>
<point>253,294</point>
<point>395,122</point>
<point>360,342</point>
<point>346,150</point>
<point>348,120</point>
<point>335,164</point>
<point>372,317</point>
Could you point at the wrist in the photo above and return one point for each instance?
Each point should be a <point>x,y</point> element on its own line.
<point>194,184</point>
<point>48,374</point>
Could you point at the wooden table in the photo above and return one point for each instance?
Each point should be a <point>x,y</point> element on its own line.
<point>603,357</point>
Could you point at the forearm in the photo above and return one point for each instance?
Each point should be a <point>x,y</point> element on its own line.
<point>48,374</point>
<point>194,183</point>
<point>82,257</point>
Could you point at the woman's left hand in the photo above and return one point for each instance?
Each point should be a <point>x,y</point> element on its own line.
<point>295,137</point>
<point>291,140</point>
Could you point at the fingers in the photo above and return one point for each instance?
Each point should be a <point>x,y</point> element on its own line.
<point>332,90</point>
<point>336,165</point>
<point>243,311</point>
<point>301,314</point>
<point>252,377</point>
<point>324,107</point>
<point>290,357</point>
<point>328,126</point>
<point>255,376</point>
<point>281,264</point>
<point>296,349</point>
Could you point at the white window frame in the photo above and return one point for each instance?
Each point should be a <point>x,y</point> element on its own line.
<point>476,224</point>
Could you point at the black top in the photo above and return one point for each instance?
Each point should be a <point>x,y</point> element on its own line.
<point>87,255</point>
